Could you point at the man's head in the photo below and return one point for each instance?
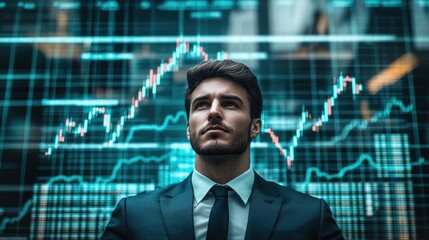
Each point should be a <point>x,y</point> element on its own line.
<point>228,69</point>
<point>224,104</point>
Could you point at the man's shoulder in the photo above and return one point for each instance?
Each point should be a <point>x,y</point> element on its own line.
<point>288,193</point>
<point>154,195</point>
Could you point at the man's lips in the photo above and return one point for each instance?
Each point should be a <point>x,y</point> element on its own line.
<point>214,128</point>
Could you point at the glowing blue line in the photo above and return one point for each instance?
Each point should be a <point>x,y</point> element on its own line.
<point>83,146</point>
<point>67,179</point>
<point>107,56</point>
<point>154,127</point>
<point>338,88</point>
<point>248,55</point>
<point>200,39</point>
<point>206,15</point>
<point>361,124</point>
<point>18,218</point>
<point>24,77</point>
<point>128,162</point>
<point>120,163</point>
<point>358,163</point>
<point>80,102</point>
<point>66,5</point>
<point>80,179</point>
<point>179,51</point>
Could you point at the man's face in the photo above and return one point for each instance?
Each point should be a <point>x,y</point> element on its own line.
<point>219,118</point>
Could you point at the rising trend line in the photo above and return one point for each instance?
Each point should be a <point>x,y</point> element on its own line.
<point>67,179</point>
<point>21,214</point>
<point>362,158</point>
<point>153,127</point>
<point>147,90</point>
<point>79,178</point>
<point>128,162</point>
<point>339,86</point>
<point>362,124</point>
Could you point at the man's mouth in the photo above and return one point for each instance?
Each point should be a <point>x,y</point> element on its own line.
<point>214,128</point>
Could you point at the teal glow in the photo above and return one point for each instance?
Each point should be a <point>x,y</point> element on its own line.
<point>106,56</point>
<point>248,55</point>
<point>206,15</point>
<point>363,123</point>
<point>154,127</point>
<point>109,5</point>
<point>145,4</point>
<point>362,158</point>
<point>21,214</point>
<point>383,3</point>
<point>79,102</point>
<point>66,5</point>
<point>202,39</point>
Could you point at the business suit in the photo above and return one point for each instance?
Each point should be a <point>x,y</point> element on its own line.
<point>276,212</point>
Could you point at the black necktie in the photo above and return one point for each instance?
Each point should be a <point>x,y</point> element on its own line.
<point>219,215</point>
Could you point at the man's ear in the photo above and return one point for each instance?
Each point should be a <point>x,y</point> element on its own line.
<point>187,130</point>
<point>255,127</point>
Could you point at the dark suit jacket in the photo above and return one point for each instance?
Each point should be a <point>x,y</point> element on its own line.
<point>276,212</point>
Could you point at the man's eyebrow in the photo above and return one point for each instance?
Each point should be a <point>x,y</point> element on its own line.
<point>200,98</point>
<point>231,97</point>
<point>222,97</point>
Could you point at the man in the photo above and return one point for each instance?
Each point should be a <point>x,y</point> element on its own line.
<point>223,198</point>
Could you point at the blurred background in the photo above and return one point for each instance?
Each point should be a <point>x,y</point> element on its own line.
<point>92,106</point>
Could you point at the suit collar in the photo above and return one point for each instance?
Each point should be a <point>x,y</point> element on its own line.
<point>176,208</point>
<point>265,204</point>
<point>242,185</point>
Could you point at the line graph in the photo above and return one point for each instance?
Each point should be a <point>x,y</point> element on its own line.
<point>147,90</point>
<point>121,162</point>
<point>80,180</point>
<point>359,162</point>
<point>170,118</point>
<point>21,214</point>
<point>93,107</point>
<point>362,124</point>
<point>340,85</point>
<point>365,157</point>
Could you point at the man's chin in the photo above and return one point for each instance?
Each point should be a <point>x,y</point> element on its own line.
<point>218,150</point>
<point>213,151</point>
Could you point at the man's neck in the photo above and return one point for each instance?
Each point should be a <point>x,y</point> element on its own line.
<point>222,168</point>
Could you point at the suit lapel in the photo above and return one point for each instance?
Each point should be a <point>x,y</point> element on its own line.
<point>177,212</point>
<point>264,210</point>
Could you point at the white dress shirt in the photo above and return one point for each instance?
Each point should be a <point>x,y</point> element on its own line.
<point>238,203</point>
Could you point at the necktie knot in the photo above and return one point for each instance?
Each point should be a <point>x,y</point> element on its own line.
<point>219,191</point>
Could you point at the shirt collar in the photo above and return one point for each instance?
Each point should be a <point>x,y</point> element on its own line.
<point>242,185</point>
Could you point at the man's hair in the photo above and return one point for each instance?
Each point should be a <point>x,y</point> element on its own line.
<point>230,70</point>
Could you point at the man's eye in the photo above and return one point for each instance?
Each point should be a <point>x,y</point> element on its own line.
<point>230,105</point>
<point>201,105</point>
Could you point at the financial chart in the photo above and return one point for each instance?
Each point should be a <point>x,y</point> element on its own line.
<point>92,106</point>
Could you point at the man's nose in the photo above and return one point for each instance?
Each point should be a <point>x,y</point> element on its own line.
<point>215,111</point>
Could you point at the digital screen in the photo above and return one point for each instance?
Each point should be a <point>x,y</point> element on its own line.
<point>92,106</point>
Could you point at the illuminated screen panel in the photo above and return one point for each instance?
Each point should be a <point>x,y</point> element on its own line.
<point>92,106</point>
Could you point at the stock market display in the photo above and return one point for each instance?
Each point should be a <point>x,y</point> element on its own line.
<point>92,106</point>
